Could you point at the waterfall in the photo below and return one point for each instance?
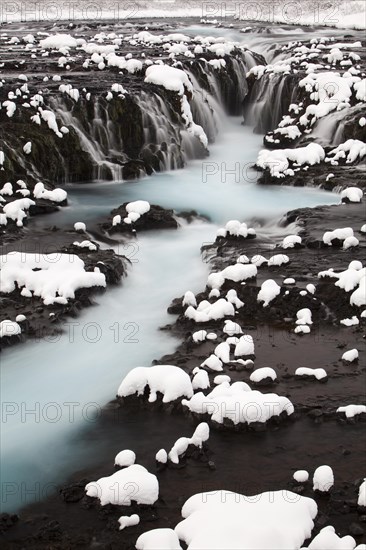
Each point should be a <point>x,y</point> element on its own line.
<point>269,99</point>
<point>96,137</point>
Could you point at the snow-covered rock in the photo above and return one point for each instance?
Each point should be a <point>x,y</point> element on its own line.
<point>169,380</point>
<point>361,501</point>
<point>53,277</point>
<point>328,539</point>
<point>301,476</point>
<point>245,346</point>
<point>352,410</point>
<point>319,374</point>
<point>261,374</point>
<point>304,317</point>
<point>323,479</point>
<point>291,241</point>
<point>125,458</point>
<point>128,521</point>
<point>161,456</point>
<point>200,380</point>
<point>268,292</point>
<point>238,403</point>
<point>350,355</point>
<point>79,226</point>
<point>158,539</point>
<point>200,436</point>
<point>134,483</point>
<point>9,328</point>
<point>352,194</point>
<point>278,260</point>
<point>228,520</point>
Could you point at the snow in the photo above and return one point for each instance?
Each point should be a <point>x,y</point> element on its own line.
<point>16,210</point>
<point>134,483</point>
<point>27,148</point>
<point>243,259</point>
<point>291,241</point>
<point>200,380</point>
<point>330,92</point>
<point>161,456</point>
<point>238,403</point>
<point>350,355</point>
<point>304,317</point>
<point>289,281</point>
<point>319,374</point>
<point>85,244</point>
<point>355,148</point>
<point>328,539</point>
<point>138,207</point>
<point>189,299</point>
<point>158,539</point>
<point>361,501</point>
<point>125,458</point>
<point>222,351</point>
<point>221,378</point>
<point>278,259</point>
<point>268,292</point>
<point>79,226</point>
<point>199,336</point>
<point>232,328</point>
<point>340,234</point>
<point>236,273</point>
<point>352,410</point>
<point>350,242</point>
<point>277,161</point>
<point>213,363</point>
<point>128,521</point>
<point>226,520</point>
<point>262,373</point>
<point>302,329</point>
<point>200,435</point>
<point>258,260</point>
<point>353,194</point>
<point>116,220</point>
<point>9,328</point>
<point>301,476</point>
<point>245,346</point>
<point>169,380</point>
<point>232,297</point>
<point>58,41</point>
<point>56,195</point>
<point>20,318</point>
<point>323,479</point>
<point>10,108</point>
<point>206,312</point>
<point>50,118</point>
<point>56,280</point>
<point>170,78</point>
<point>350,322</point>
<point>236,229</point>
<point>311,288</point>
<point>358,297</point>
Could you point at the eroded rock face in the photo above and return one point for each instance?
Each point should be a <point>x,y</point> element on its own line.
<point>107,124</point>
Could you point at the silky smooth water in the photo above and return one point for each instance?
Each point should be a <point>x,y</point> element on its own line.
<point>53,390</point>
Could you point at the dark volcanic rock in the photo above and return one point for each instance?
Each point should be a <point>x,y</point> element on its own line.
<point>156,218</point>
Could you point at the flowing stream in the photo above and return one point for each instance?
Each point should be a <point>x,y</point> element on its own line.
<point>53,390</point>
